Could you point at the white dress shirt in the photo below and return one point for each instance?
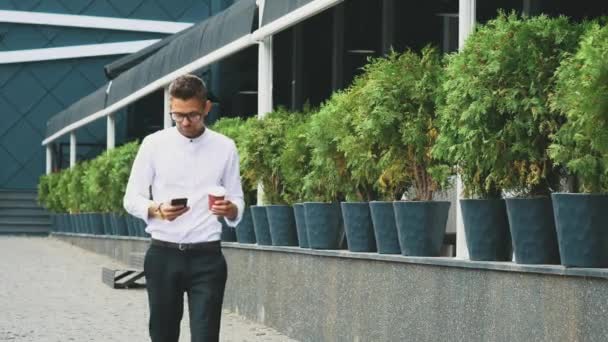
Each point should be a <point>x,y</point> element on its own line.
<point>175,167</point>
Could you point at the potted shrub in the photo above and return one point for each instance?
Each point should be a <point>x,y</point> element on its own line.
<point>496,124</point>
<point>581,146</point>
<point>263,143</point>
<point>330,179</point>
<point>121,160</point>
<point>294,164</point>
<point>395,123</point>
<point>75,199</point>
<point>94,186</point>
<point>234,128</point>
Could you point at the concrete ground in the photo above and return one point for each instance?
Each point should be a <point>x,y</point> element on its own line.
<point>52,291</point>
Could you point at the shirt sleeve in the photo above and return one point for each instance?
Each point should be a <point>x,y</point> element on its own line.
<point>136,201</point>
<point>232,183</point>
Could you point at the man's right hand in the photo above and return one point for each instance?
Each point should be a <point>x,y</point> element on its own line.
<point>170,212</point>
<point>165,211</point>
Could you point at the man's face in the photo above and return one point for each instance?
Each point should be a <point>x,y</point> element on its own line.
<point>190,115</point>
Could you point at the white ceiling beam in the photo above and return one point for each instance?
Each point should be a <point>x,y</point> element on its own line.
<point>78,51</point>
<point>93,22</point>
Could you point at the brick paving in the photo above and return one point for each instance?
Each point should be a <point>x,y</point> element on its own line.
<point>52,291</point>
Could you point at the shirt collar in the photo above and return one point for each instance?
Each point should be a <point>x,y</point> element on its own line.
<point>196,140</point>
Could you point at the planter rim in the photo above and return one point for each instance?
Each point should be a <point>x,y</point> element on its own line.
<point>318,202</point>
<point>354,202</point>
<point>277,205</point>
<point>380,202</point>
<point>595,194</point>
<point>480,199</point>
<point>420,202</point>
<point>526,198</point>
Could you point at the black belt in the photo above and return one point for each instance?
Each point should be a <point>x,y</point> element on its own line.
<point>205,246</point>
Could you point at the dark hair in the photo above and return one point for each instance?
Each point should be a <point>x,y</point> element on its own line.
<point>188,86</point>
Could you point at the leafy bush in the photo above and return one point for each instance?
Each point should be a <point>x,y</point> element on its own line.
<point>48,194</point>
<point>262,145</point>
<point>329,178</point>
<point>121,162</point>
<point>235,129</point>
<point>395,126</point>
<point>76,200</point>
<point>496,121</point>
<point>295,157</point>
<point>582,95</point>
<point>64,179</point>
<point>96,183</point>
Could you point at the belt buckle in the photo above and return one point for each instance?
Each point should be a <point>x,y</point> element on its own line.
<point>181,247</point>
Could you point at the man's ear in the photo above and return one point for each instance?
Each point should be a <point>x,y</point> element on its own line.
<point>207,107</point>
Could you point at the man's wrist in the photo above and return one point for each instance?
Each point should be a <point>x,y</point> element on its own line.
<point>154,211</point>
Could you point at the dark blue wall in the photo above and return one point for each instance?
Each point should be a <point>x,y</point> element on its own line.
<point>30,93</point>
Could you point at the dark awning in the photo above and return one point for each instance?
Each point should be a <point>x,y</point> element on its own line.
<point>82,108</point>
<point>235,22</point>
<point>125,63</point>
<point>274,9</point>
<point>227,26</point>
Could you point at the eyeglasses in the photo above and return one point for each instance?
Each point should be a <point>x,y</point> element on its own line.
<point>192,117</point>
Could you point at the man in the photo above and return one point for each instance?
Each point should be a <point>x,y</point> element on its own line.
<point>185,252</point>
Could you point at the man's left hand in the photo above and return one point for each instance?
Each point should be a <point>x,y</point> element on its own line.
<point>225,208</point>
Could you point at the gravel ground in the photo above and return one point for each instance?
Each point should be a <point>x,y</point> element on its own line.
<point>52,291</point>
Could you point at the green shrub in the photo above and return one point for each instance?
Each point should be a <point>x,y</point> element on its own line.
<point>235,129</point>
<point>96,183</point>
<point>496,121</point>
<point>295,157</point>
<point>76,199</point>
<point>581,145</point>
<point>121,160</point>
<point>395,126</point>
<point>330,178</point>
<point>262,146</point>
<point>62,193</point>
<point>44,190</point>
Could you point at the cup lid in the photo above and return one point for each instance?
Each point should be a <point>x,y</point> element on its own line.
<point>217,191</point>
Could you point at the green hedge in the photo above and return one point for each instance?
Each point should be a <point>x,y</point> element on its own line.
<point>97,185</point>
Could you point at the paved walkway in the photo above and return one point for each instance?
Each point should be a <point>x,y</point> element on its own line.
<point>52,291</point>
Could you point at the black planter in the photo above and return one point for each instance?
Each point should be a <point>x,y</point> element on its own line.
<point>581,221</point>
<point>108,227</point>
<point>228,233</point>
<point>487,229</point>
<point>300,217</point>
<point>245,232</point>
<point>358,226</point>
<point>260,225</point>
<point>282,225</point>
<point>80,226</point>
<point>533,230</point>
<point>421,226</point>
<point>385,229</point>
<point>324,225</point>
<point>119,224</point>
<point>141,227</point>
<point>96,224</point>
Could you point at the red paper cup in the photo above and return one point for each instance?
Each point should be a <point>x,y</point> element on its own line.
<point>216,194</point>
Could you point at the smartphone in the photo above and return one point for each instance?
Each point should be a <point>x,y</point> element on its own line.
<point>179,202</point>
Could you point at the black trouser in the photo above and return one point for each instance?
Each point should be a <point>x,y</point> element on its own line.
<point>169,273</point>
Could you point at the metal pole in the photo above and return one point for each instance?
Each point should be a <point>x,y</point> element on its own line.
<point>72,149</point>
<point>110,131</point>
<point>265,80</point>
<point>49,159</point>
<point>466,23</point>
<point>167,122</point>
